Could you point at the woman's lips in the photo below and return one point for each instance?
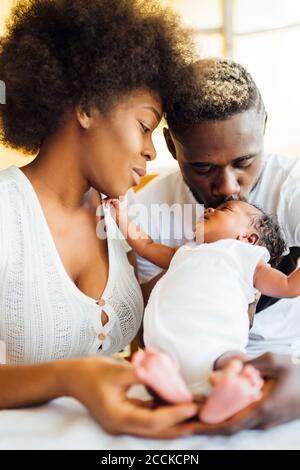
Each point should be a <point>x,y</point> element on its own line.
<point>136,174</point>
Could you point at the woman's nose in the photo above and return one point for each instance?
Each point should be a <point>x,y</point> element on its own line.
<point>209,210</point>
<point>149,153</point>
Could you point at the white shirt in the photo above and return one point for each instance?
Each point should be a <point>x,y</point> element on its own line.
<point>199,309</point>
<point>43,315</point>
<point>277,328</point>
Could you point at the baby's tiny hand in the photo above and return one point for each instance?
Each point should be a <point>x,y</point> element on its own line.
<point>118,207</point>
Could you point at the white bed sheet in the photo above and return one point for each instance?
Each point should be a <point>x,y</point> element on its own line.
<point>65,424</point>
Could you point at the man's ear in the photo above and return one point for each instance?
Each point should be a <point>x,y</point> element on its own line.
<point>169,142</point>
<point>251,238</point>
<point>83,117</point>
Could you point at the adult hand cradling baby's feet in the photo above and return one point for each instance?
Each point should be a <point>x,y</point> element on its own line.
<point>161,374</point>
<point>234,387</point>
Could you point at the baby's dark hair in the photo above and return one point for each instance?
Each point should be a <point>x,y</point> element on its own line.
<point>219,88</point>
<point>58,54</point>
<point>270,235</point>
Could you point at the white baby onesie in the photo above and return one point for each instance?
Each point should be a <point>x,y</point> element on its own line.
<point>199,308</point>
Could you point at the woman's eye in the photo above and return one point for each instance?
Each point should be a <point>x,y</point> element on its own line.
<point>145,128</point>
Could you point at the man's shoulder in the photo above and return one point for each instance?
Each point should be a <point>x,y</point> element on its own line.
<point>279,174</point>
<point>278,184</point>
<point>278,193</point>
<point>286,166</point>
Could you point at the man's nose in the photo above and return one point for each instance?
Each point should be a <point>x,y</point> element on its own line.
<point>209,210</point>
<point>226,185</point>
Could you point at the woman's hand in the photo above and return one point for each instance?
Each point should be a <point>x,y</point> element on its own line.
<point>101,385</point>
<point>280,402</point>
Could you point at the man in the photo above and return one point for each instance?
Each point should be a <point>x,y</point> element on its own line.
<point>216,134</point>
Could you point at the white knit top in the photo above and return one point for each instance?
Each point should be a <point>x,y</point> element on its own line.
<point>43,315</point>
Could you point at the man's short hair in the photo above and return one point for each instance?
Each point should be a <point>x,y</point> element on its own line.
<point>218,89</point>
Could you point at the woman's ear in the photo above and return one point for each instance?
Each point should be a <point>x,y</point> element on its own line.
<point>169,142</point>
<point>83,117</point>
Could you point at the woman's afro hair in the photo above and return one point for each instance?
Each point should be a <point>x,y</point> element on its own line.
<point>57,54</point>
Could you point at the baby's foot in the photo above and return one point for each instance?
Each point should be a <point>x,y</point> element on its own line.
<point>160,373</point>
<point>235,387</point>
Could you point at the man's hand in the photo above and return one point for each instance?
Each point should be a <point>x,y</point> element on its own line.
<point>280,402</point>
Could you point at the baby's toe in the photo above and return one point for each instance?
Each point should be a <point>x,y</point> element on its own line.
<point>252,374</point>
<point>233,368</point>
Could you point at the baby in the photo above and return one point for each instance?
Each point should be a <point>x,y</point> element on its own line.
<point>198,311</point>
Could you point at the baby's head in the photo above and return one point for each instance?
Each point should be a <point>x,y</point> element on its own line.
<point>245,222</point>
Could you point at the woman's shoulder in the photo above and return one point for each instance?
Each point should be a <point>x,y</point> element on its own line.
<point>9,177</point>
<point>12,192</point>
<point>8,200</point>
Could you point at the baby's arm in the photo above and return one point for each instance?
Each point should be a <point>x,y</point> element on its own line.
<point>273,283</point>
<point>140,242</point>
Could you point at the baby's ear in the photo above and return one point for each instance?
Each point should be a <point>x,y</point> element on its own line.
<point>251,238</point>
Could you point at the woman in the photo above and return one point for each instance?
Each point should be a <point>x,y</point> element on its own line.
<point>87,82</point>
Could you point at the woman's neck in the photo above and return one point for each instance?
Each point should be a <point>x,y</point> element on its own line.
<point>56,172</point>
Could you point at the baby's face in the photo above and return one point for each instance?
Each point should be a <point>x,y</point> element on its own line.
<point>232,219</point>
